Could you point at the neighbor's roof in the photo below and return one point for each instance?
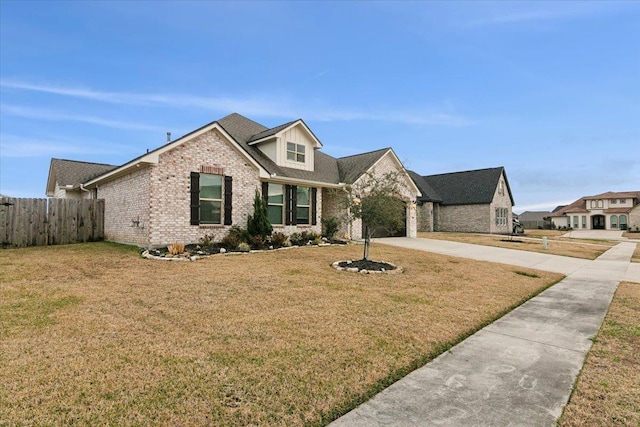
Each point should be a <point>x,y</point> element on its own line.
<point>428,193</point>
<point>73,172</point>
<point>615,195</point>
<point>533,215</point>
<point>468,187</point>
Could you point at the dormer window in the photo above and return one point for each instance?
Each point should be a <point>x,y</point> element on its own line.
<point>295,152</point>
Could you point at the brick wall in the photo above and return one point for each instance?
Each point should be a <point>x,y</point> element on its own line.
<point>170,197</point>
<point>634,218</point>
<point>465,218</point>
<point>425,217</point>
<point>501,201</point>
<point>127,200</point>
<point>333,205</point>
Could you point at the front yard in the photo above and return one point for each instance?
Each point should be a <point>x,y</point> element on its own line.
<point>94,334</point>
<point>531,241</point>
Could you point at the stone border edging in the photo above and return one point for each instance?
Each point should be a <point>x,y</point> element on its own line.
<point>397,270</point>
<point>147,255</point>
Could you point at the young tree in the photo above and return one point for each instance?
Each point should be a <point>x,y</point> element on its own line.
<point>375,200</point>
<point>258,224</point>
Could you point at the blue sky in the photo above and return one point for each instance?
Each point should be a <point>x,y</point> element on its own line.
<point>550,90</point>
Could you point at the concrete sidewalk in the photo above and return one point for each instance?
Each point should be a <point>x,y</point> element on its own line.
<point>518,371</point>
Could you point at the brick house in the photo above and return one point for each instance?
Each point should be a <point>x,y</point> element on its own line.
<point>478,201</point>
<point>606,211</point>
<point>204,183</point>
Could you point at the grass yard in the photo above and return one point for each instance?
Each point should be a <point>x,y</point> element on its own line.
<point>94,334</point>
<point>636,254</point>
<point>556,246</point>
<point>608,389</point>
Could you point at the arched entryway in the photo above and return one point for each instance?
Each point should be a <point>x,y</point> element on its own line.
<point>597,222</point>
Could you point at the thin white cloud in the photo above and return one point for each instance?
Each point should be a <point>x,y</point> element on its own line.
<point>14,146</point>
<point>43,114</point>
<point>507,13</point>
<point>262,106</point>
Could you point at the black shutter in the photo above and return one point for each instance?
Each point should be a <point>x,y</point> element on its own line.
<point>287,205</point>
<point>265,191</point>
<point>195,198</point>
<point>314,195</point>
<point>228,197</point>
<point>294,205</point>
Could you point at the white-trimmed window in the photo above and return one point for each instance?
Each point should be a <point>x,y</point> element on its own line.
<point>614,221</point>
<point>501,216</point>
<point>584,221</point>
<point>614,201</point>
<point>623,201</point>
<point>600,204</point>
<point>623,222</point>
<point>210,199</point>
<point>575,221</point>
<point>303,205</point>
<point>275,203</point>
<point>593,203</point>
<point>295,152</point>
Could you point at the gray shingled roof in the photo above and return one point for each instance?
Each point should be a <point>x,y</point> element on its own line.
<point>428,193</point>
<point>270,132</point>
<point>468,187</point>
<point>244,130</point>
<point>72,172</point>
<point>352,167</point>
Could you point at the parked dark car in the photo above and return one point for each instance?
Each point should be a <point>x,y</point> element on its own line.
<point>517,227</point>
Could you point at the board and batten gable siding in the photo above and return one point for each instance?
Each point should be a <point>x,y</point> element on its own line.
<point>297,135</point>
<point>501,201</point>
<point>127,200</point>
<point>170,192</point>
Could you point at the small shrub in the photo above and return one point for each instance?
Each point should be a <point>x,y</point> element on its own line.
<point>240,233</point>
<point>207,240</point>
<point>278,239</point>
<point>244,247</point>
<point>258,224</point>
<point>176,248</point>
<point>296,239</point>
<point>258,242</point>
<point>330,227</point>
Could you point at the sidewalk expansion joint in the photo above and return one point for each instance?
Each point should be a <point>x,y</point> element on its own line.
<point>538,342</point>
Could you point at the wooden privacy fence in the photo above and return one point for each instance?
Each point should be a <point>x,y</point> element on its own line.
<point>39,222</point>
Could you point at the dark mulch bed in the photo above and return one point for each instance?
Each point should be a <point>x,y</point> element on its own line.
<point>204,250</point>
<point>512,241</point>
<point>365,264</point>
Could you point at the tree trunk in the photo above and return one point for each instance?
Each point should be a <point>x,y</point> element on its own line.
<point>367,242</point>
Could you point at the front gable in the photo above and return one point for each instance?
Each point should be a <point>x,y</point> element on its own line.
<point>291,145</point>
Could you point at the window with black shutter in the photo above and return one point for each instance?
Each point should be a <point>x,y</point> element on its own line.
<point>211,199</point>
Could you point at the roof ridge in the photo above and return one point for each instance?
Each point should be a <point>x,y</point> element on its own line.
<point>82,161</point>
<point>467,171</point>
<point>368,152</point>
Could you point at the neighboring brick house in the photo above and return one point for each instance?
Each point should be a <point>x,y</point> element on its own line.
<point>606,211</point>
<point>477,201</point>
<point>205,182</point>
